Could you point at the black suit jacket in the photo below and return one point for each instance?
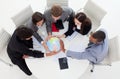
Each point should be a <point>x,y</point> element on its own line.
<point>17,48</point>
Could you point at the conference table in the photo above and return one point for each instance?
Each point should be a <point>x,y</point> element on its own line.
<point>49,67</point>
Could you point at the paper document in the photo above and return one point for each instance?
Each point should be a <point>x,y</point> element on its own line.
<point>72,36</point>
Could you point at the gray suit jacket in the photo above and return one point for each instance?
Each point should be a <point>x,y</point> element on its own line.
<point>67,12</point>
<point>30,24</point>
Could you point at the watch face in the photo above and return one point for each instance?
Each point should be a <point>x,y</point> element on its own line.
<point>63,63</point>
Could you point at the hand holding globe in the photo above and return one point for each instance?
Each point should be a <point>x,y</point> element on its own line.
<point>53,45</point>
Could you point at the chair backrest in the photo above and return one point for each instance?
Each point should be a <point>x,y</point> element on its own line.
<point>21,17</point>
<point>114,49</point>
<point>60,2</point>
<point>94,12</point>
<point>4,39</point>
<point>113,53</point>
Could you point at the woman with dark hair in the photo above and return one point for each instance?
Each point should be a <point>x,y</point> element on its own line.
<point>80,23</point>
<point>34,23</point>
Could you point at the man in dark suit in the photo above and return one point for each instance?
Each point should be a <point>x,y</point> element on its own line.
<point>20,46</point>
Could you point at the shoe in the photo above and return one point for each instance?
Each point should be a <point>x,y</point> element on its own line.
<point>32,77</point>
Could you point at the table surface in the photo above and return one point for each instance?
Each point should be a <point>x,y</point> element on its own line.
<point>75,42</point>
<point>48,68</point>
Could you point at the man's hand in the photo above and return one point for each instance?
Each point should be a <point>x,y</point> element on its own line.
<point>62,46</point>
<point>60,36</point>
<point>51,53</point>
<point>25,56</point>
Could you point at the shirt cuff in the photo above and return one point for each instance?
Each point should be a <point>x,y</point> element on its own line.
<point>45,55</point>
<point>42,42</point>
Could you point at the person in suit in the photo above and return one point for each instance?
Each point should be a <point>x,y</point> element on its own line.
<point>20,46</point>
<point>35,23</point>
<point>57,15</point>
<point>79,23</point>
<point>97,48</point>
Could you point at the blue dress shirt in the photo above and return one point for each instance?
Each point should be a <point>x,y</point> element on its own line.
<point>95,53</point>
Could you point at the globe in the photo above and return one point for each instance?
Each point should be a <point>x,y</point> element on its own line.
<point>53,44</point>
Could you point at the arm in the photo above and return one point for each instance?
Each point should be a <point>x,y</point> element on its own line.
<point>49,29</point>
<point>37,36</point>
<point>21,48</point>
<point>71,26</point>
<point>48,21</point>
<point>34,53</point>
<point>62,45</point>
<point>88,54</point>
<point>32,26</point>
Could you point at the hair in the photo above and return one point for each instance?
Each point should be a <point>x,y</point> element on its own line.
<point>24,32</point>
<point>86,23</point>
<point>56,10</point>
<point>86,26</point>
<point>81,17</point>
<point>99,35</point>
<point>36,17</point>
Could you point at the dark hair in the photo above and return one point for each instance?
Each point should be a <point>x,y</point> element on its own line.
<point>80,17</point>
<point>99,35</point>
<point>56,10</point>
<point>24,32</point>
<point>86,26</point>
<point>86,23</point>
<point>37,16</point>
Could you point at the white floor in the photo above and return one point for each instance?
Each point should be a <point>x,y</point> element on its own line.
<point>104,72</point>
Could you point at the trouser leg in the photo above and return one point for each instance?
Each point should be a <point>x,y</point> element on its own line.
<point>23,66</point>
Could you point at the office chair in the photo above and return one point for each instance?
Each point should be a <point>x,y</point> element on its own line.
<point>60,2</point>
<point>113,53</point>
<point>23,16</point>
<point>4,39</point>
<point>114,49</point>
<point>94,12</point>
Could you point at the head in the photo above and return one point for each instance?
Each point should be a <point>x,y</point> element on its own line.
<point>56,12</point>
<point>97,37</point>
<point>83,23</point>
<point>24,33</point>
<point>86,26</point>
<point>79,18</point>
<point>38,19</point>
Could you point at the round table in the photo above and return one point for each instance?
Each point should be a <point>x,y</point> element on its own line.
<point>48,68</point>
